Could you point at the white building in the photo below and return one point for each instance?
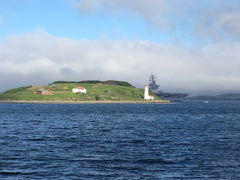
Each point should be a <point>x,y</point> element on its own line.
<point>79,90</point>
<point>146,94</point>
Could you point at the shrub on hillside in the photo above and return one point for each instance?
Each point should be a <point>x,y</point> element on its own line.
<point>17,89</point>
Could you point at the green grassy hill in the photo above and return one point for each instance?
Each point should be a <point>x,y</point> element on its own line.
<point>62,91</point>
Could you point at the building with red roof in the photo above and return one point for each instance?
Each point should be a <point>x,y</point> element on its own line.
<point>79,89</point>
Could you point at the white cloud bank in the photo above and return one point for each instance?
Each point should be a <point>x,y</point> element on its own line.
<point>214,19</point>
<point>39,58</point>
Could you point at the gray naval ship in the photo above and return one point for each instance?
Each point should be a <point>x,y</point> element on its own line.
<point>154,87</point>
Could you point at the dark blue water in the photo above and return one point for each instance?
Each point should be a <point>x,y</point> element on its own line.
<point>189,140</point>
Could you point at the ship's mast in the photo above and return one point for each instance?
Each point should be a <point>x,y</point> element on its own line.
<point>152,83</point>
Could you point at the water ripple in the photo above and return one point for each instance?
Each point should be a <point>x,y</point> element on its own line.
<point>190,140</point>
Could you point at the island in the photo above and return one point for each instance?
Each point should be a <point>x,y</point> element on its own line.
<point>80,92</point>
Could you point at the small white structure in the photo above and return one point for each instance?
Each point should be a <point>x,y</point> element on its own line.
<point>79,90</point>
<point>146,94</point>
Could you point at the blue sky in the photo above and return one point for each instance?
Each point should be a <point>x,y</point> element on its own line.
<point>60,18</point>
<point>192,46</point>
<point>57,17</point>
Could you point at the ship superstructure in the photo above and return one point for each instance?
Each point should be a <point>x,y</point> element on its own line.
<point>154,87</point>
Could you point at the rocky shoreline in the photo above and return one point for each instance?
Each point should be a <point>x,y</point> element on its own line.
<point>88,102</point>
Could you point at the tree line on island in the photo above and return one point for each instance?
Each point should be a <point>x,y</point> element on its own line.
<point>110,82</point>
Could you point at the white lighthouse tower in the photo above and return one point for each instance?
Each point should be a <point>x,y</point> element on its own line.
<point>146,93</point>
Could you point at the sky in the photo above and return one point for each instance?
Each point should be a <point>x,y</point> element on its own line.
<point>191,46</point>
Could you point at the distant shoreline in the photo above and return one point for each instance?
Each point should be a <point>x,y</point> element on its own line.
<point>88,102</point>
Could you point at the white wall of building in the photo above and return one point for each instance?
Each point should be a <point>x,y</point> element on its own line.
<point>77,90</point>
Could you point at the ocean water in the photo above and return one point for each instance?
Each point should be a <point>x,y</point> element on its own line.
<point>187,140</point>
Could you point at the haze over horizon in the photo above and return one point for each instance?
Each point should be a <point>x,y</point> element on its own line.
<point>191,46</point>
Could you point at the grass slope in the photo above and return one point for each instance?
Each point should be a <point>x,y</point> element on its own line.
<point>63,92</point>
